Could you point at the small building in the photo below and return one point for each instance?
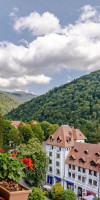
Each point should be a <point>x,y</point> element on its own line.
<point>16,124</point>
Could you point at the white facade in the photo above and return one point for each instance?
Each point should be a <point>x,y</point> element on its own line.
<point>56,168</point>
<point>81,181</point>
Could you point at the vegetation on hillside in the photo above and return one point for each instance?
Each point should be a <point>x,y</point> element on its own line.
<point>22,96</point>
<point>10,100</point>
<point>76,103</point>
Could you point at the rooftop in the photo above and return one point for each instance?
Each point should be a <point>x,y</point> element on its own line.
<point>87,156</point>
<point>65,136</point>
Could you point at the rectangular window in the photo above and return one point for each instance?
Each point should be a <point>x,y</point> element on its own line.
<point>50,153</point>
<point>84,170</point>
<point>50,169</point>
<point>50,161</point>
<point>58,155</point>
<point>73,167</point>
<point>69,174</point>
<point>79,169</point>
<point>73,175</point>
<point>90,172</point>
<point>58,171</point>
<point>69,166</point>
<point>90,181</point>
<point>83,179</point>
<point>95,173</point>
<point>57,163</point>
<point>95,183</point>
<point>79,178</point>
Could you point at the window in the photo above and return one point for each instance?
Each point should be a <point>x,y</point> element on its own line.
<point>73,175</point>
<point>73,167</point>
<point>79,177</point>
<point>57,163</point>
<point>86,151</point>
<point>79,169</point>
<point>58,140</point>
<point>50,153</point>
<point>58,148</point>
<point>90,181</point>
<point>76,150</point>
<point>72,157</point>
<point>69,174</point>
<point>93,163</point>
<point>51,139</point>
<point>50,161</point>
<point>95,183</point>
<point>82,160</point>
<point>83,179</point>
<point>84,170</point>
<point>69,166</point>
<point>58,155</point>
<point>95,173</point>
<point>50,169</point>
<point>58,171</point>
<point>90,172</point>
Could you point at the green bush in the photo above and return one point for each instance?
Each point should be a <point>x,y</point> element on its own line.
<point>68,195</point>
<point>37,194</point>
<point>57,191</point>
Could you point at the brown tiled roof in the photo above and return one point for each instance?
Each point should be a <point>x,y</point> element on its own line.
<point>91,156</point>
<point>63,132</point>
<point>16,124</point>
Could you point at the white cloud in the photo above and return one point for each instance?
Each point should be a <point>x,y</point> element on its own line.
<point>88,13</point>
<point>24,81</point>
<point>38,24</point>
<point>78,48</point>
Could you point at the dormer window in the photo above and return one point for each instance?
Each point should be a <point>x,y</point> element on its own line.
<point>97,154</point>
<point>86,151</point>
<point>82,160</point>
<point>59,139</point>
<point>72,157</point>
<point>69,140</point>
<point>70,133</point>
<point>51,138</point>
<point>76,150</point>
<point>93,164</point>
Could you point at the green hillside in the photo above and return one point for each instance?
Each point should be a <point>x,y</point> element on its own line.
<point>22,96</point>
<point>8,100</point>
<point>76,103</point>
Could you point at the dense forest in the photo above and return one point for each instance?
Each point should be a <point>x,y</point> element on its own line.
<point>76,103</point>
<point>10,100</point>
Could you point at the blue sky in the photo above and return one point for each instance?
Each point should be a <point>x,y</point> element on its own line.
<point>46,43</point>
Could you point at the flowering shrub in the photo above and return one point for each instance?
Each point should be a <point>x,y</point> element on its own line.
<point>11,168</point>
<point>28,162</point>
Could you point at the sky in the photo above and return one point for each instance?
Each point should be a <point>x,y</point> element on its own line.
<point>47,43</point>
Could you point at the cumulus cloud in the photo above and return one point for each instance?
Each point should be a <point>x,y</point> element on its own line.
<point>24,81</point>
<point>76,47</point>
<point>38,24</point>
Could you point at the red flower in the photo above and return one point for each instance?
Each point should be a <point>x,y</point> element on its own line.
<point>28,162</point>
<point>14,155</point>
<point>0,150</point>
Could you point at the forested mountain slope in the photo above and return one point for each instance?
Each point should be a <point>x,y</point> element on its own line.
<point>76,103</point>
<point>22,96</point>
<point>10,100</point>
